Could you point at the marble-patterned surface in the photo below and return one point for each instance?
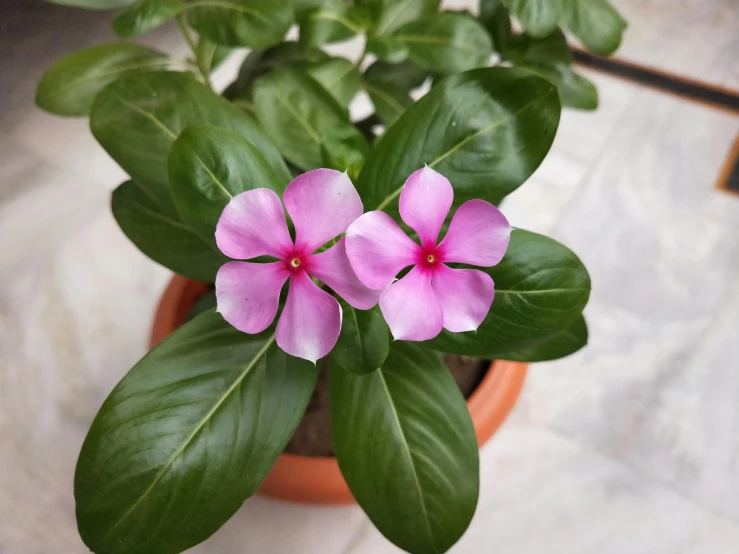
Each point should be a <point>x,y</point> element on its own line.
<point>631,445</point>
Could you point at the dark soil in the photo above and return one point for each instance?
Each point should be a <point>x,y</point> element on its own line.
<point>313,435</point>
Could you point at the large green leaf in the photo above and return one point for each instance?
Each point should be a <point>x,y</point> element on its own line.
<point>145,15</point>
<point>333,21</point>
<point>537,17</point>
<point>94,4</point>
<point>137,118</point>
<point>541,288</point>
<point>163,236</point>
<point>364,341</point>
<point>558,345</point>
<point>251,23</point>
<point>390,15</point>
<point>494,16</point>
<point>447,42</point>
<point>596,23</point>
<point>207,167</point>
<point>388,86</point>
<point>295,110</point>
<point>407,449</point>
<point>186,437</point>
<point>339,76</point>
<point>70,86</point>
<point>486,130</point>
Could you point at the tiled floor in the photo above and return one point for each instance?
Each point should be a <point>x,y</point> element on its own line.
<point>631,446</point>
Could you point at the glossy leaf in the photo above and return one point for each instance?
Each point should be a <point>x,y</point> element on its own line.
<point>344,148</point>
<point>541,288</point>
<point>70,86</point>
<point>339,76</point>
<point>296,110</point>
<point>137,119</point>
<point>537,17</point>
<point>407,449</point>
<point>163,236</point>
<point>250,23</point>
<point>495,18</point>
<point>94,4</point>
<point>364,341</point>
<point>332,21</point>
<point>577,91</point>
<point>145,15</point>
<point>208,166</point>
<point>486,130</point>
<point>447,42</point>
<point>558,345</point>
<point>391,15</point>
<point>187,435</point>
<point>596,23</point>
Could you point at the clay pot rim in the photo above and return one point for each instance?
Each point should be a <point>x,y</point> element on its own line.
<point>317,479</point>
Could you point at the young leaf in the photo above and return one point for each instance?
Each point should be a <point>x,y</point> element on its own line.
<point>296,110</point>
<point>407,449</point>
<point>558,345</point>
<point>596,23</point>
<point>339,76</point>
<point>144,16</point>
<point>250,23</point>
<point>137,119</point>
<point>211,55</point>
<point>162,236</point>
<point>390,15</point>
<point>332,21</point>
<point>207,167</point>
<point>387,48</point>
<point>344,148</point>
<point>576,91</point>
<point>541,288</point>
<point>364,341</point>
<point>537,17</point>
<point>188,435</point>
<point>486,130</point>
<point>447,42</point>
<point>70,86</point>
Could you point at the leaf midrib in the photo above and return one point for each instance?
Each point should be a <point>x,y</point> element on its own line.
<point>192,435</point>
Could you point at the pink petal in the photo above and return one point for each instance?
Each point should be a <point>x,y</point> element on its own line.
<point>378,249</point>
<point>410,307</point>
<point>465,296</point>
<point>478,235</point>
<point>253,224</point>
<point>425,201</point>
<point>333,268</point>
<point>248,294</point>
<point>322,203</point>
<point>311,321</point>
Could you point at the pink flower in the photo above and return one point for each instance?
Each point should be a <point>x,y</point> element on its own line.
<point>432,295</point>
<point>321,203</point>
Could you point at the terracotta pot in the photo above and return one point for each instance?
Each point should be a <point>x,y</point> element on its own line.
<point>315,480</point>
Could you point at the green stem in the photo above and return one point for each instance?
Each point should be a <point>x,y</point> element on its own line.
<point>202,69</point>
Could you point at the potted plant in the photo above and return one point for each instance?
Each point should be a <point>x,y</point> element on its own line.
<point>393,234</point>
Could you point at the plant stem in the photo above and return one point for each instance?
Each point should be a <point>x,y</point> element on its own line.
<point>204,71</point>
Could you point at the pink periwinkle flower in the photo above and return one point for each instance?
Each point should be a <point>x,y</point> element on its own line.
<point>432,295</point>
<point>321,203</point>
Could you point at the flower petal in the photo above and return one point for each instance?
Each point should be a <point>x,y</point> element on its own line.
<point>322,203</point>
<point>478,235</point>
<point>333,268</point>
<point>253,224</point>
<point>425,201</point>
<point>465,297</point>
<point>248,294</point>
<point>378,249</point>
<point>309,325</point>
<point>410,307</point>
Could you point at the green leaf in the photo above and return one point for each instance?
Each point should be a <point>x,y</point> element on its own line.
<point>187,435</point>
<point>596,23</point>
<point>389,102</point>
<point>211,55</point>
<point>162,236</point>
<point>486,130</point>
<point>541,288</point>
<point>339,76</point>
<point>70,86</point>
<point>537,17</point>
<point>333,21</point>
<point>407,449</point>
<point>207,167</point>
<point>577,92</point>
<point>403,76</point>
<point>144,16</point>
<point>250,23</point>
<point>344,148</point>
<point>494,17</point>
<point>364,341</point>
<point>447,42</point>
<point>390,15</point>
<point>296,110</point>
<point>388,48</point>
<point>94,4</point>
<point>558,345</point>
<point>137,118</point>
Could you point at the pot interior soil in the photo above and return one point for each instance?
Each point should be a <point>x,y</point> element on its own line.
<point>313,435</point>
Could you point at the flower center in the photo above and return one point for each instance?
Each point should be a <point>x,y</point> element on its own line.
<point>295,262</point>
<point>429,257</point>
